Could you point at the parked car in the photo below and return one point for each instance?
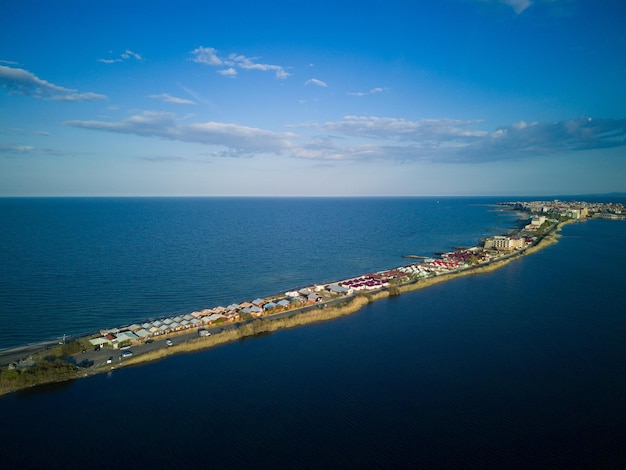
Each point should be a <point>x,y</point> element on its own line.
<point>150,341</point>
<point>110,360</point>
<point>204,333</point>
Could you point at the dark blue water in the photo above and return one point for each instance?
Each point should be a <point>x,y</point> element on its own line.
<point>71,266</point>
<point>521,368</point>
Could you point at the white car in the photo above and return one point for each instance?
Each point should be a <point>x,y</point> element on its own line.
<point>127,353</point>
<point>169,342</point>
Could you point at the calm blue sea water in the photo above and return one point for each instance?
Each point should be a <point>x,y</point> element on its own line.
<point>521,368</point>
<point>70,266</point>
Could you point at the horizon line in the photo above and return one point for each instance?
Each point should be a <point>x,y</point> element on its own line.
<point>331,196</point>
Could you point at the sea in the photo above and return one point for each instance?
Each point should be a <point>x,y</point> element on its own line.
<point>524,367</point>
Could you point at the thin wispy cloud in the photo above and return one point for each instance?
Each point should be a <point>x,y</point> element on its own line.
<point>206,56</point>
<point>194,94</point>
<point>391,139</point>
<point>79,97</point>
<point>315,81</point>
<point>519,6</point>
<point>169,158</point>
<point>233,62</point>
<point>18,81</point>
<point>229,72</point>
<point>126,55</point>
<point>447,140</point>
<point>15,149</point>
<point>373,91</point>
<point>538,139</point>
<point>239,140</point>
<point>24,82</point>
<point>400,129</point>
<point>166,97</point>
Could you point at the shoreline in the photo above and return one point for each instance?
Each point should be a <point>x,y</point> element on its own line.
<point>298,317</point>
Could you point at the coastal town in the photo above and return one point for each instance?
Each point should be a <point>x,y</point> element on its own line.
<point>111,347</point>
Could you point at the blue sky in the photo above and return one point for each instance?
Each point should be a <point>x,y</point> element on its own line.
<point>326,98</point>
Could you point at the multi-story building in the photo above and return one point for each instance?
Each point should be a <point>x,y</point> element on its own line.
<point>503,243</point>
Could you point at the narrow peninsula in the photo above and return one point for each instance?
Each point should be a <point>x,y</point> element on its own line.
<point>151,340</point>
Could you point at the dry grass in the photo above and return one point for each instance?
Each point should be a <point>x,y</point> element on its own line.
<point>257,327</point>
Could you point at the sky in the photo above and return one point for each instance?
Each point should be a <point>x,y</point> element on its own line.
<point>324,98</point>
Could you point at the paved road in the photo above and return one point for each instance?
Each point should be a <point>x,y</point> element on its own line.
<point>101,356</point>
<point>11,355</point>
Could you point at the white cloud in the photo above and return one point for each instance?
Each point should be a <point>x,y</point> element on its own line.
<point>315,81</point>
<point>170,99</point>
<point>229,72</point>
<point>400,129</point>
<point>449,140</point>
<point>23,82</point>
<point>393,139</point>
<point>209,56</point>
<point>127,54</point>
<point>169,158</point>
<point>238,140</point>
<point>249,64</point>
<point>535,139</point>
<point>10,148</point>
<point>373,91</point>
<point>79,97</point>
<point>518,5</point>
<point>206,55</point>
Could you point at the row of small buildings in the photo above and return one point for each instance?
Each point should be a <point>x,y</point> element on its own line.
<point>132,334</point>
<point>140,332</point>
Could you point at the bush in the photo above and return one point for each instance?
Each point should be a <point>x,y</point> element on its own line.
<point>55,370</point>
<point>73,347</point>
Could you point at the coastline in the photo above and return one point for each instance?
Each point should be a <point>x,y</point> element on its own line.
<point>299,317</point>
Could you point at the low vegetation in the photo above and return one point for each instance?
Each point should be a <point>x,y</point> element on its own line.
<point>49,369</point>
<point>258,327</point>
